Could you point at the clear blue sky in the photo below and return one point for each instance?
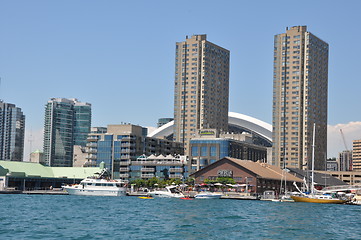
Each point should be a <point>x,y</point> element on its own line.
<point>119,55</point>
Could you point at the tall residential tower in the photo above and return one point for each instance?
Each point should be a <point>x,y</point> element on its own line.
<point>300,83</point>
<point>12,128</point>
<point>67,123</point>
<point>201,88</point>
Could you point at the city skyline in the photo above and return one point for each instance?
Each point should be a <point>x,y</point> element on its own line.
<point>96,54</point>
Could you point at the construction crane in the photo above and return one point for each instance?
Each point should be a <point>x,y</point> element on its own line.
<point>348,156</point>
<point>343,138</point>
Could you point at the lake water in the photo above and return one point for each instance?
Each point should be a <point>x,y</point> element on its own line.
<point>84,217</point>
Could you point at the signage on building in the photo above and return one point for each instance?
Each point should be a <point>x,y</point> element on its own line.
<point>206,132</point>
<point>225,173</point>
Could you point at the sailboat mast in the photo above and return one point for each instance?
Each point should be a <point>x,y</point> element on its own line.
<point>313,160</point>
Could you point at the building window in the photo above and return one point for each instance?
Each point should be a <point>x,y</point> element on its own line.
<point>195,151</point>
<point>213,151</point>
<point>204,151</point>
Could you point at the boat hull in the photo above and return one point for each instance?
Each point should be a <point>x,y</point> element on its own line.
<point>164,194</point>
<point>96,192</point>
<point>317,200</point>
<point>208,196</point>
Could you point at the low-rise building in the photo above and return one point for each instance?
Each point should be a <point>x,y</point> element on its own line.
<point>161,167</point>
<point>257,176</point>
<point>123,143</point>
<point>35,176</point>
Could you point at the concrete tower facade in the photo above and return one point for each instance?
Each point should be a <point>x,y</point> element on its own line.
<point>12,132</point>
<point>300,89</point>
<point>201,88</point>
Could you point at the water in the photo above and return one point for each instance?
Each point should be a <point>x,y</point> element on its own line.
<point>84,217</point>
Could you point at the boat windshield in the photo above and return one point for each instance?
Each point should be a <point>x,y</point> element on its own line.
<point>174,190</point>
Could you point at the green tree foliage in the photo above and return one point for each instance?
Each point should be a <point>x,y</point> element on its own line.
<point>223,180</point>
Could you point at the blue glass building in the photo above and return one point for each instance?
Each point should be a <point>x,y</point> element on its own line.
<point>205,150</point>
<point>67,123</point>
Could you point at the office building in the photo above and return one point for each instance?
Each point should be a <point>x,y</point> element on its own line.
<point>201,88</point>
<point>67,123</point>
<point>356,155</point>
<point>12,129</point>
<point>300,82</point>
<point>209,146</point>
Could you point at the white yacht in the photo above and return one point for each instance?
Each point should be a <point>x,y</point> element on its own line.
<point>169,192</point>
<point>97,187</point>
<point>208,195</point>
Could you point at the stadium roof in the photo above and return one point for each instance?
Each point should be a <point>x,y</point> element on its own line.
<point>234,119</point>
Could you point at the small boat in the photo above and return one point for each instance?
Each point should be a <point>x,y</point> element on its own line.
<point>97,186</point>
<point>146,197</point>
<point>169,192</point>
<point>208,195</point>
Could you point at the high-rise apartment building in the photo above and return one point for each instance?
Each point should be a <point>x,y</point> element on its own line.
<point>300,86</point>
<point>12,128</point>
<point>201,88</point>
<point>356,155</point>
<point>67,123</point>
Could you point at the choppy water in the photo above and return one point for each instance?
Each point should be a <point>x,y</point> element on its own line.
<point>82,217</point>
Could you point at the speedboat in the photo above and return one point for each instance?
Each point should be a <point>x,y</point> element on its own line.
<point>208,195</point>
<point>169,192</point>
<point>100,186</point>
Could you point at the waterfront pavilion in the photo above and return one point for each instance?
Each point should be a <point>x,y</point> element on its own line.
<point>34,176</point>
<point>258,177</point>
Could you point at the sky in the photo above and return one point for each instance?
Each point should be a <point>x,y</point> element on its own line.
<point>119,56</point>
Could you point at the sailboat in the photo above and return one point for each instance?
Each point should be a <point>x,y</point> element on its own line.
<point>315,197</point>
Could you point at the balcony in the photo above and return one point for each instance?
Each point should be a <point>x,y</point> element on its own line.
<point>176,176</point>
<point>124,175</point>
<point>92,150</point>
<point>127,151</point>
<point>176,170</point>
<point>147,175</point>
<point>91,144</point>
<point>124,163</point>
<point>148,170</point>
<point>127,145</point>
<point>124,169</point>
<point>92,138</point>
<point>125,157</point>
